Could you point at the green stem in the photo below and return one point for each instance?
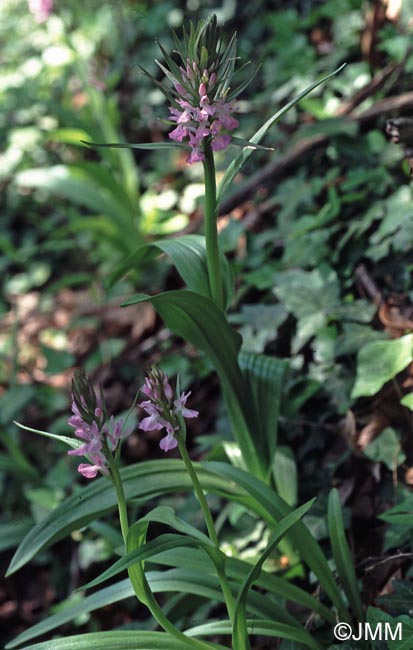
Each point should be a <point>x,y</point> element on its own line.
<point>217,558</point>
<point>142,590</point>
<point>211,231</point>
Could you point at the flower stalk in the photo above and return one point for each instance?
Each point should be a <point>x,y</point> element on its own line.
<point>211,228</point>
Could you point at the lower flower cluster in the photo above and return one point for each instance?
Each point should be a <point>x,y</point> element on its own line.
<point>98,440</point>
<point>101,435</point>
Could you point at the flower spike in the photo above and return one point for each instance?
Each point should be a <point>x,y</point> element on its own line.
<point>162,410</point>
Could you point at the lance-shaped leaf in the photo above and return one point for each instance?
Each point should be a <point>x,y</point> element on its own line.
<point>198,320</point>
<point>243,156</point>
<point>188,253</point>
<point>265,377</point>
<point>260,627</point>
<point>307,547</point>
<point>342,555</point>
<point>143,482</point>
<point>277,535</point>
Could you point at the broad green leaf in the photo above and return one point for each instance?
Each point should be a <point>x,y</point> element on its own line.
<point>407,400</point>
<point>175,581</point>
<point>198,320</point>
<point>120,640</point>
<point>265,377</point>
<point>247,144</point>
<point>379,362</point>
<point>242,157</point>
<point>193,558</point>
<point>260,627</point>
<point>166,515</point>
<point>341,553</point>
<point>188,254</point>
<point>401,513</point>
<point>386,448</point>
<point>311,296</point>
<point>274,509</point>
<point>207,586</point>
<point>276,536</point>
<point>400,601</point>
<point>377,617</point>
<point>151,479</point>
<point>144,481</point>
<point>139,553</point>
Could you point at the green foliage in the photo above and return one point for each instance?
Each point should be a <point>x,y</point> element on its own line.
<point>379,362</point>
<point>342,555</point>
<point>312,342</point>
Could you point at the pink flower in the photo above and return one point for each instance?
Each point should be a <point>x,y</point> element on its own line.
<point>197,121</point>
<point>162,410</point>
<point>101,435</point>
<point>168,443</point>
<point>41,9</point>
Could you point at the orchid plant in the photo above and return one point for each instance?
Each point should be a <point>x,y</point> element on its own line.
<point>202,118</point>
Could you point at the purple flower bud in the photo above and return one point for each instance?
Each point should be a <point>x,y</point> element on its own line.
<point>163,412</point>
<point>91,423</point>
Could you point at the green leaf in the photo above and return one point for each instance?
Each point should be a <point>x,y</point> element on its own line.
<point>407,400</point>
<point>276,536</point>
<point>379,362</point>
<point>401,600</point>
<point>179,581</point>
<point>166,515</point>
<point>144,481</point>
<point>274,509</point>
<point>377,617</point>
<point>120,640</point>
<point>401,513</point>
<point>242,157</point>
<point>194,558</point>
<point>188,253</point>
<point>198,320</point>
<point>386,448</point>
<point>341,553</point>
<point>285,475</point>
<point>138,145</point>
<point>138,552</point>
<point>265,377</point>
<point>259,627</point>
<point>71,442</point>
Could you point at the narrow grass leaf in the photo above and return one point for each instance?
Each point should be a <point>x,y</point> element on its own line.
<point>143,481</point>
<point>259,627</point>
<point>119,640</point>
<point>273,509</point>
<point>276,536</point>
<point>198,320</point>
<point>243,156</point>
<point>341,553</point>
